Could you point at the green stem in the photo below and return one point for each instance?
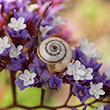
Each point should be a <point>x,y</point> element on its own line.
<point>39,23</point>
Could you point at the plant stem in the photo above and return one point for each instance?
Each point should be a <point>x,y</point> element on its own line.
<point>42,96</point>
<point>43,16</point>
<point>39,23</point>
<point>12,74</point>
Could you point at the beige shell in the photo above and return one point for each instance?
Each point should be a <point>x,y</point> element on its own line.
<point>56,53</point>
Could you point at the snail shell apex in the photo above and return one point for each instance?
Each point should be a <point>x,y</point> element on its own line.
<point>55,52</point>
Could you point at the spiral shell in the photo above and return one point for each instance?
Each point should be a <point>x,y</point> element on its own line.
<point>56,53</point>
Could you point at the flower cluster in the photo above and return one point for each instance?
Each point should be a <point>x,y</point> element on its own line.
<point>18,51</point>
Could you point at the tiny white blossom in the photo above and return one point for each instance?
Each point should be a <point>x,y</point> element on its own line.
<point>85,44</point>
<point>79,71</point>
<point>4,44</point>
<point>100,107</point>
<point>27,77</point>
<point>57,20</point>
<point>32,7</point>
<point>44,30</point>
<point>96,55</point>
<point>86,49</point>
<point>15,52</point>
<point>17,24</point>
<point>96,90</point>
<point>93,53</point>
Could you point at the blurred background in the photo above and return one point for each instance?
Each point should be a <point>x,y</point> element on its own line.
<point>87,18</point>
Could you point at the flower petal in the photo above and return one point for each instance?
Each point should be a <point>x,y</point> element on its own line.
<point>19,48</point>
<point>26,72</point>
<point>76,65</point>
<point>21,20</point>
<point>14,21</point>
<point>26,83</point>
<point>10,25</point>
<point>76,77</point>
<point>97,96</point>
<point>31,82</point>
<point>90,92</point>
<point>81,72</point>
<point>101,107</point>
<point>22,77</point>
<point>101,92</point>
<point>99,85</point>
<point>33,75</point>
<point>5,40</point>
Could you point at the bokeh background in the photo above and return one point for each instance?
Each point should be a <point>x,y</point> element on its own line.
<point>86,18</point>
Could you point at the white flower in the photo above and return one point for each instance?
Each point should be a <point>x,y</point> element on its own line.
<point>79,71</point>
<point>4,44</point>
<point>100,107</point>
<point>96,90</point>
<point>17,24</point>
<point>93,53</point>
<point>15,52</point>
<point>96,55</point>
<point>57,20</point>
<point>32,7</point>
<point>85,44</point>
<point>44,30</point>
<point>86,49</point>
<point>27,77</point>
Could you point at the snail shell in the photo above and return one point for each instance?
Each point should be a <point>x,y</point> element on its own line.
<point>56,53</point>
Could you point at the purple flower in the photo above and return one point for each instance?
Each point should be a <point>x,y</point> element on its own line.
<point>24,13</point>
<point>93,64</point>
<point>16,64</point>
<point>22,82</point>
<point>6,52</point>
<point>22,3</point>
<point>107,83</point>
<point>48,21</point>
<point>81,93</point>
<point>53,9</point>
<point>19,83</point>
<point>105,80</point>
<point>107,107</point>
<point>7,5</point>
<point>55,82</point>
<point>79,55</point>
<point>22,58</point>
<point>40,68</point>
<point>21,34</point>
<point>96,77</point>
